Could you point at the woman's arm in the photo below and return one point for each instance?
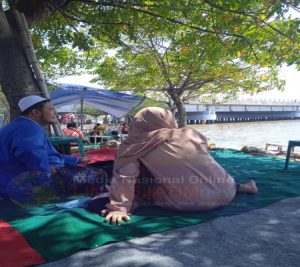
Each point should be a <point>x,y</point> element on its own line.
<point>121,194</point>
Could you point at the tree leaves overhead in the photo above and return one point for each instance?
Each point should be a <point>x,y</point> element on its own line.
<point>182,48</point>
<point>178,47</point>
<point>86,26</point>
<point>162,64</point>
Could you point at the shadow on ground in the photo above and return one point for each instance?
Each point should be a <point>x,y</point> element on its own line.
<point>265,237</point>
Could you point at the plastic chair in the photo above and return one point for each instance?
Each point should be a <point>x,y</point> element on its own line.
<point>292,143</point>
<point>56,140</point>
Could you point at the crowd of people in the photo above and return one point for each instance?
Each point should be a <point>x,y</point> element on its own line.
<point>99,133</point>
<point>181,174</point>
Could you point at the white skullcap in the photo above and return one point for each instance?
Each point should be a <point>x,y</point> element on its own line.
<point>28,101</point>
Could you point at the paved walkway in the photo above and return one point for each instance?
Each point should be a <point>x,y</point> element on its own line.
<point>265,237</point>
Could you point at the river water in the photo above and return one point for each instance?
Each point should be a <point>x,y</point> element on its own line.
<point>257,134</point>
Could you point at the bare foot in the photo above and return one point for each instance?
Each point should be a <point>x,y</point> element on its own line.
<point>249,187</point>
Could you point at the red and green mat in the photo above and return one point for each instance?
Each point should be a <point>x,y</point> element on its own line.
<point>42,234</point>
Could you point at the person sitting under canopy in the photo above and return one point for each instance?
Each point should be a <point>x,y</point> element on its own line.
<point>29,161</point>
<point>73,131</point>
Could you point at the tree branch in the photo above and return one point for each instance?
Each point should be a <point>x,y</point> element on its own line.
<point>175,21</point>
<point>162,65</point>
<point>253,15</point>
<point>160,62</point>
<point>181,89</point>
<point>36,10</point>
<point>296,8</point>
<point>230,10</point>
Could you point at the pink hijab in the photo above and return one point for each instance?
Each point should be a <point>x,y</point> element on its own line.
<point>150,127</point>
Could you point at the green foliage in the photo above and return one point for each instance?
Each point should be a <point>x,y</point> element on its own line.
<point>76,36</point>
<point>148,103</point>
<point>179,48</point>
<point>4,107</point>
<point>90,111</point>
<point>170,66</point>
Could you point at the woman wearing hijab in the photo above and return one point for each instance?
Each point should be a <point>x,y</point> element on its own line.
<point>186,176</point>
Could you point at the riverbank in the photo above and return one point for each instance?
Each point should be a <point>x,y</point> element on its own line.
<point>262,152</point>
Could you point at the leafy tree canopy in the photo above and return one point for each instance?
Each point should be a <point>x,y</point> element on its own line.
<point>71,35</point>
<point>76,31</point>
<point>148,103</point>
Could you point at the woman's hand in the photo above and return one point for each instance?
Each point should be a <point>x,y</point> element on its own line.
<point>115,217</point>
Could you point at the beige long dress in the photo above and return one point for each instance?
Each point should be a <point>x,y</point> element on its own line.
<point>186,176</point>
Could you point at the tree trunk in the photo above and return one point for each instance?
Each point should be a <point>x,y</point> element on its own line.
<point>171,107</point>
<point>16,77</point>
<point>181,112</point>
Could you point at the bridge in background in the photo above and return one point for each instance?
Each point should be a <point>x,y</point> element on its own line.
<point>237,112</point>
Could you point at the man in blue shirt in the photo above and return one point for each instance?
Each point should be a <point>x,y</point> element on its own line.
<point>25,147</point>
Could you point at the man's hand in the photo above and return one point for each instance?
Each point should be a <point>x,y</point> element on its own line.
<point>115,217</point>
<point>53,170</point>
<point>84,160</point>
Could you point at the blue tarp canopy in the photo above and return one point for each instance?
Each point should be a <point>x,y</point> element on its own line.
<point>110,102</point>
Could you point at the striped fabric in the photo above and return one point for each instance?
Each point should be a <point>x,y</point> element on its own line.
<point>74,132</point>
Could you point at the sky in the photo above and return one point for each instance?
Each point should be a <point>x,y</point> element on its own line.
<point>83,79</point>
<point>292,78</point>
